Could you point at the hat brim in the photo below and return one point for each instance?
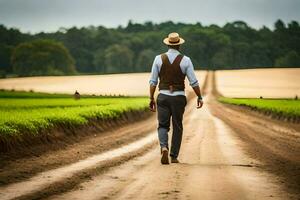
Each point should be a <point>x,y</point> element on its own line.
<point>166,41</point>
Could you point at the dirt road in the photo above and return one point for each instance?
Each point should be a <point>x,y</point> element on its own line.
<point>226,153</point>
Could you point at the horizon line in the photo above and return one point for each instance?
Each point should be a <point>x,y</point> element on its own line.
<point>142,23</point>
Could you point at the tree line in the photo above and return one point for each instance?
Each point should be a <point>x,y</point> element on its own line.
<point>132,48</point>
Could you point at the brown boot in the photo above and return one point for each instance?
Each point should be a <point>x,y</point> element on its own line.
<point>174,160</point>
<point>164,156</point>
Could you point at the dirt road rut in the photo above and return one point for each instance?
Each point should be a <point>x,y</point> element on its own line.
<point>213,164</point>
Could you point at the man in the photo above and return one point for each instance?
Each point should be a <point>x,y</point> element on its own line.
<point>171,69</point>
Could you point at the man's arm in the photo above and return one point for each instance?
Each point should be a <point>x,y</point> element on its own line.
<point>152,105</point>
<point>152,91</point>
<point>194,83</point>
<point>197,91</point>
<point>153,82</point>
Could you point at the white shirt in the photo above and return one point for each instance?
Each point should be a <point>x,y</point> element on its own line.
<point>186,67</point>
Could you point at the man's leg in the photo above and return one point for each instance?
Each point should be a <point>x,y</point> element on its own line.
<point>163,115</point>
<point>177,110</point>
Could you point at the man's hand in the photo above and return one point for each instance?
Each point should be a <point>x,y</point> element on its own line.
<point>152,105</point>
<point>199,99</point>
<point>199,102</point>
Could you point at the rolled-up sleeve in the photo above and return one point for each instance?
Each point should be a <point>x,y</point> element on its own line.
<point>190,73</point>
<point>154,73</point>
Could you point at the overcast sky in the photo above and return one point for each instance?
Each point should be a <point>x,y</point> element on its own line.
<point>49,15</point>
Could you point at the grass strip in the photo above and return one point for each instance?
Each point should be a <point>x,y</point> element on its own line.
<point>283,107</point>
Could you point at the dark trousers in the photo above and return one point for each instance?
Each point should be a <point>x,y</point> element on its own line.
<point>167,107</point>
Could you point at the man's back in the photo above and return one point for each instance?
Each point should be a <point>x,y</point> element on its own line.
<point>186,66</point>
<point>171,68</point>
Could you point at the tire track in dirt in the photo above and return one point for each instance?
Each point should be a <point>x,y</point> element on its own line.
<point>275,143</point>
<point>64,178</point>
<point>213,166</point>
<point>42,180</point>
<point>15,168</point>
<point>67,177</point>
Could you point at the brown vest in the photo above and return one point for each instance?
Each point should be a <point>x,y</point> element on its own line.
<point>170,75</point>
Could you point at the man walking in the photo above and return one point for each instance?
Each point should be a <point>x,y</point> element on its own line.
<point>171,68</point>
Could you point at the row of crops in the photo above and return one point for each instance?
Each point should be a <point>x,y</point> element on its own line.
<point>289,108</point>
<point>22,112</point>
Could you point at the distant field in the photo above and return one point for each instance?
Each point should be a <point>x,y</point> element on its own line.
<point>281,107</point>
<point>253,83</point>
<point>134,84</point>
<point>22,112</point>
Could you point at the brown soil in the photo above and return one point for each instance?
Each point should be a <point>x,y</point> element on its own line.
<point>67,147</point>
<point>277,146</point>
<point>58,146</point>
<point>84,175</point>
<point>61,135</point>
<point>227,153</point>
<point>215,164</point>
<point>270,139</point>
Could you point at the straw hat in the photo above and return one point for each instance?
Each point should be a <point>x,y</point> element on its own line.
<point>173,39</point>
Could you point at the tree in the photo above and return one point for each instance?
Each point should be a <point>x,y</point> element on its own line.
<point>5,54</point>
<point>222,59</point>
<point>118,59</point>
<point>132,48</point>
<point>144,61</point>
<point>240,25</point>
<point>294,25</point>
<point>99,62</point>
<point>81,46</point>
<point>42,57</point>
<point>84,60</point>
<point>279,25</point>
<point>290,59</point>
<point>259,55</point>
<point>198,51</point>
<point>241,52</point>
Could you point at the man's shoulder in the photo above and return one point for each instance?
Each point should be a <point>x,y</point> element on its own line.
<point>186,57</point>
<point>186,61</point>
<point>157,57</point>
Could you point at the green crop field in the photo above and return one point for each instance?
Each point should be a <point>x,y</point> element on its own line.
<point>22,112</point>
<point>282,107</point>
